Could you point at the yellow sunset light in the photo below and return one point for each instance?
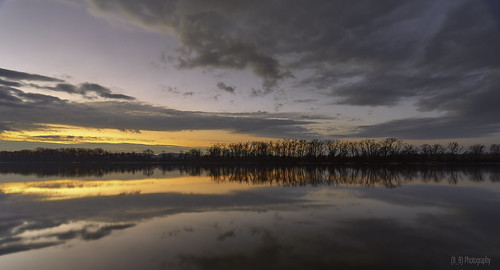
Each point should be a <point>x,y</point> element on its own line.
<point>74,189</point>
<point>65,134</point>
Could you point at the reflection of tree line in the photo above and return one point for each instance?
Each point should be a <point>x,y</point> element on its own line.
<point>389,176</point>
<point>80,169</point>
<point>68,155</point>
<point>350,175</point>
<point>284,151</point>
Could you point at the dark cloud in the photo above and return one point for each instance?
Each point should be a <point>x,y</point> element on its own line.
<point>34,99</point>
<point>467,40</point>
<point>208,32</point>
<point>65,87</point>
<point>20,108</point>
<point>417,128</point>
<point>87,88</point>
<point>7,97</point>
<point>363,53</point>
<point>3,127</point>
<point>432,128</point>
<point>364,34</point>
<point>224,87</point>
<point>455,73</point>
<point>378,88</point>
<point>10,83</point>
<point>12,97</point>
<point>469,114</point>
<point>102,91</point>
<point>170,89</point>
<point>84,89</point>
<point>175,91</point>
<point>17,76</point>
<point>260,92</point>
<point>207,46</point>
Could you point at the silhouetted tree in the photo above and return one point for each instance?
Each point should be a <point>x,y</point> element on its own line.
<point>476,151</point>
<point>495,151</point>
<point>454,149</point>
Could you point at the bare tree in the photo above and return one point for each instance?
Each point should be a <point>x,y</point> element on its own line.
<point>476,150</point>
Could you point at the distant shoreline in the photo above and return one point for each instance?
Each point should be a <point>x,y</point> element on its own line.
<point>281,152</point>
<point>254,163</point>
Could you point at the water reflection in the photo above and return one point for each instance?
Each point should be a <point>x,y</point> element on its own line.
<point>155,217</point>
<point>364,176</point>
<point>389,176</point>
<point>73,189</point>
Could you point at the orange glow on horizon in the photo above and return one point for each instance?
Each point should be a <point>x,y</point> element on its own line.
<point>65,134</point>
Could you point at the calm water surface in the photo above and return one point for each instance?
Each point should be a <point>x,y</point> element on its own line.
<point>249,218</point>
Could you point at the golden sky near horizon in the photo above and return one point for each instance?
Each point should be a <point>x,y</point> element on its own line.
<point>64,134</point>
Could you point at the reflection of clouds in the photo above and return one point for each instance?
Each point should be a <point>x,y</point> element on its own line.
<point>299,237</point>
<point>358,243</point>
<point>468,212</point>
<point>467,222</point>
<point>443,196</point>
<point>20,214</point>
<point>226,235</point>
<point>269,255</point>
<point>27,237</point>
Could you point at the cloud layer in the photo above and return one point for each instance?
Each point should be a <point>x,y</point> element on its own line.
<point>439,55</point>
<point>25,110</point>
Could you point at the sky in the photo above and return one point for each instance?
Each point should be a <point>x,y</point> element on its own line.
<point>174,74</point>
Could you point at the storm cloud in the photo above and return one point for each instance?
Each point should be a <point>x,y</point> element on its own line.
<point>469,113</point>
<point>277,38</point>
<point>429,53</point>
<point>206,30</point>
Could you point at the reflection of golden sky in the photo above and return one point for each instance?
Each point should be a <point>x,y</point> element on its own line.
<point>73,189</point>
<point>73,134</point>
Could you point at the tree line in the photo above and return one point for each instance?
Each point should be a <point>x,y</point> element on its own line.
<point>67,155</point>
<point>279,151</point>
<point>367,150</point>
